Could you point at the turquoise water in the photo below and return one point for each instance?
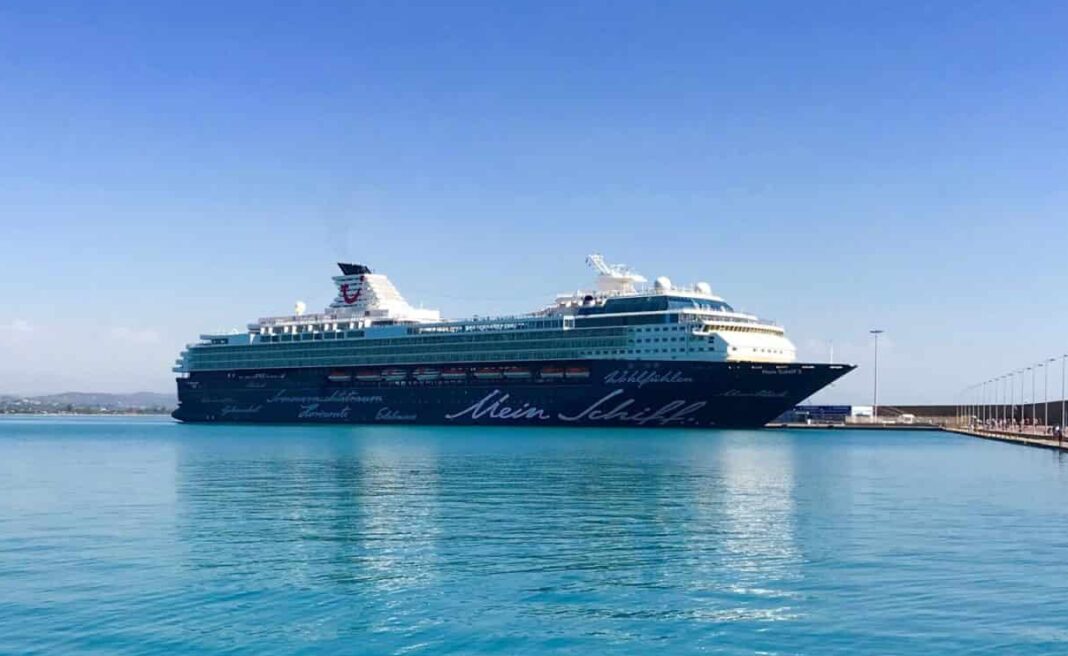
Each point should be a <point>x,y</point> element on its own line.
<point>132,536</point>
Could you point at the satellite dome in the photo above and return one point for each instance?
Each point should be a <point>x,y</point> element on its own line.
<point>662,284</point>
<point>299,308</point>
<point>704,288</point>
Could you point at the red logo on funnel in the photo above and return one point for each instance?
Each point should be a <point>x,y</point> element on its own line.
<point>345,294</point>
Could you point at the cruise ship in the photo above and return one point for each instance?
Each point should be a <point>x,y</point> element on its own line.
<point>623,353</point>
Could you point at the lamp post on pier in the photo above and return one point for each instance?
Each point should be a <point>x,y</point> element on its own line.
<point>997,400</point>
<point>1034,396</point>
<point>1008,401</point>
<point>1023,396</point>
<point>1023,404</point>
<point>969,391</point>
<point>1063,359</point>
<point>991,399</point>
<point>1012,400</point>
<point>973,407</point>
<point>981,410</point>
<point>1045,393</point>
<point>973,404</point>
<point>1004,399</point>
<point>875,389</point>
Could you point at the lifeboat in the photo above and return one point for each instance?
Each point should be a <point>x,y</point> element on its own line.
<point>339,376</point>
<point>368,375</point>
<point>394,374</point>
<point>577,372</point>
<point>516,373</point>
<point>426,373</point>
<point>454,373</point>
<point>551,373</point>
<point>487,373</point>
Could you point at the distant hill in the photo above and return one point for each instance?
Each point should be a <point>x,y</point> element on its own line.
<point>89,402</point>
<point>134,400</point>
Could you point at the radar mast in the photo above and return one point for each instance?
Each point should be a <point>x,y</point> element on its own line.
<point>613,278</point>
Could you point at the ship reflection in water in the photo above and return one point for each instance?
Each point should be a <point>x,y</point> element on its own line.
<point>503,527</point>
<point>151,536</point>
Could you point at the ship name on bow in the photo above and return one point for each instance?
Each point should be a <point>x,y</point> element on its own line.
<point>610,407</point>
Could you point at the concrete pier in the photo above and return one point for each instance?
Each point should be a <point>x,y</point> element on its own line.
<point>1027,439</point>
<point>1024,439</point>
<point>858,426</point>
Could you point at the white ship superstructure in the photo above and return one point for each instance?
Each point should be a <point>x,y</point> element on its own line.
<point>622,318</point>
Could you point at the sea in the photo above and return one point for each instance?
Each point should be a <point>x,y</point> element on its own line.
<point>145,536</point>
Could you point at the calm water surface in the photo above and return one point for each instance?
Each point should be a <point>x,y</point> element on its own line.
<point>144,536</point>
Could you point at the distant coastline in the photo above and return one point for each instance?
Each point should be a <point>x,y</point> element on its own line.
<point>88,403</point>
<point>83,414</point>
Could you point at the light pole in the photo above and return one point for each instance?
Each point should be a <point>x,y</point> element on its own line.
<point>875,389</point>
<point>983,404</point>
<point>991,396</point>
<point>1045,394</point>
<point>969,399</point>
<point>989,401</point>
<point>1063,359</point>
<point>999,412</point>
<point>977,391</point>
<point>1023,405</point>
<point>1034,396</point>
<point>1004,399</point>
<point>971,405</point>
<point>1023,396</point>
<point>1012,399</point>
<point>969,402</point>
<point>997,400</point>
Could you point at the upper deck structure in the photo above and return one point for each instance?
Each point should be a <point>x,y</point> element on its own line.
<point>621,317</point>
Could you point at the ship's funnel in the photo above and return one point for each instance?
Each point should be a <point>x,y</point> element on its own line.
<point>365,294</point>
<point>353,269</point>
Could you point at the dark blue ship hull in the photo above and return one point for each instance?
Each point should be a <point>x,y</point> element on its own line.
<point>601,393</point>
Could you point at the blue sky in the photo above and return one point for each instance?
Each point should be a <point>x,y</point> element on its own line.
<point>169,169</point>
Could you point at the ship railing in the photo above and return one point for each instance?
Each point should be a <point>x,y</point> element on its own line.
<point>752,321</point>
<point>301,318</point>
